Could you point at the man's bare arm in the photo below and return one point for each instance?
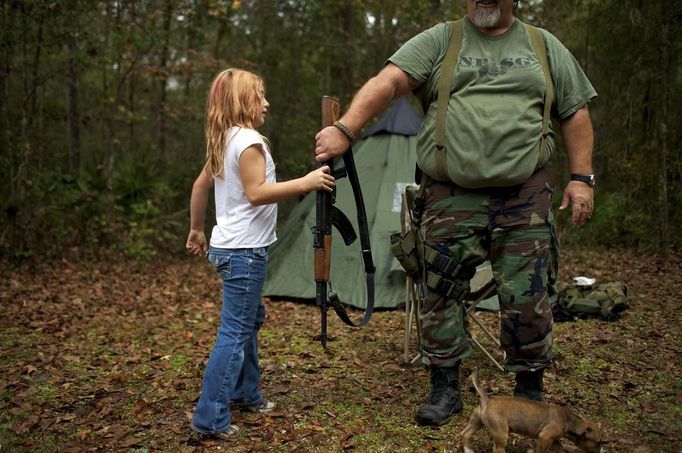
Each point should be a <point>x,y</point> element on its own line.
<point>372,99</point>
<point>578,140</point>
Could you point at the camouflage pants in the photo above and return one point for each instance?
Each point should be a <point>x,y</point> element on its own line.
<point>514,229</point>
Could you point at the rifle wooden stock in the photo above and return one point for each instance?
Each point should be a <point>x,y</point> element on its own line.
<point>331,110</point>
<point>323,260</point>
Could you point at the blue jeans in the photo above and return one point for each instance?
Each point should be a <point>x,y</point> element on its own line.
<point>232,372</point>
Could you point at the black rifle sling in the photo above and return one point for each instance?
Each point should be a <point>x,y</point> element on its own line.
<point>365,245</point>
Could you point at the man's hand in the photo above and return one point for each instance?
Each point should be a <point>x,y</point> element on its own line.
<point>581,197</point>
<point>372,99</point>
<point>330,143</point>
<point>196,243</point>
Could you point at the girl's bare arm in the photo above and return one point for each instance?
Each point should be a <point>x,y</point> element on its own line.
<point>259,191</point>
<point>196,240</point>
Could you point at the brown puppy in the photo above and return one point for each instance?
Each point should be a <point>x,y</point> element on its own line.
<point>545,422</point>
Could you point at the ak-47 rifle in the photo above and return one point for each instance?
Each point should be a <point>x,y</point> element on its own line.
<point>327,215</point>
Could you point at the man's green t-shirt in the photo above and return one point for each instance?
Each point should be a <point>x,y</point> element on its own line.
<point>494,118</point>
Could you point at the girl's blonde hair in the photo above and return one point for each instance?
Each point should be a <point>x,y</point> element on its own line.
<point>233,100</point>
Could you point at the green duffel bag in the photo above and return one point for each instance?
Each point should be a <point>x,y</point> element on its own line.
<point>604,300</point>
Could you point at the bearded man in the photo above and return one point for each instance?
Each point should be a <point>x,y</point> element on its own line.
<point>485,192</point>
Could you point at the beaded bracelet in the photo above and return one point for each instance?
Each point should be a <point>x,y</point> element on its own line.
<point>347,132</point>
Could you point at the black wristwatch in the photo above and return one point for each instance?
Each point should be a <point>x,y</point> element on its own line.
<point>587,179</point>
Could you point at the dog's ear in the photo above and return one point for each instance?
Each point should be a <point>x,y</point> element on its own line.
<point>583,432</point>
<point>587,432</point>
<point>586,428</point>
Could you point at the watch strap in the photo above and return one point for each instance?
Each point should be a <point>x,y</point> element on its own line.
<point>587,179</point>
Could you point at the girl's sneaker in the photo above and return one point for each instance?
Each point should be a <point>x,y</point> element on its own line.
<point>262,407</point>
<point>231,431</point>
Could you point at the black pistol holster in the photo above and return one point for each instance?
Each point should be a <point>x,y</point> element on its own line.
<point>425,264</point>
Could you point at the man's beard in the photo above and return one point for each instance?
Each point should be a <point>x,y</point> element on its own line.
<point>487,17</point>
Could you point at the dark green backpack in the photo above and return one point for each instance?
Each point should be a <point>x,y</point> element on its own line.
<point>603,300</point>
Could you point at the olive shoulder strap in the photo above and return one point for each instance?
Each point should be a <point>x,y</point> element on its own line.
<point>444,87</point>
<point>540,49</point>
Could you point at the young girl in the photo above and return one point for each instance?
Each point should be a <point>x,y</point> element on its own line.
<point>240,169</point>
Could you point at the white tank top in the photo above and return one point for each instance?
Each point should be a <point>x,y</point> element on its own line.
<point>238,224</point>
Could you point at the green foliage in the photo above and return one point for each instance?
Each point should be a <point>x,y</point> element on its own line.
<point>629,51</point>
<point>102,113</point>
<point>617,222</point>
<point>81,213</point>
<point>56,211</point>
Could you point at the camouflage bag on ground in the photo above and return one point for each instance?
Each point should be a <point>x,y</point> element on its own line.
<point>603,300</point>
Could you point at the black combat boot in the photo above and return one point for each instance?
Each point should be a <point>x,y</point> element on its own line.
<point>444,399</point>
<point>529,385</point>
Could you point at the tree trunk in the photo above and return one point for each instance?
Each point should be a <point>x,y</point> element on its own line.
<point>132,142</point>
<point>350,49</point>
<point>664,76</point>
<point>162,82</point>
<point>109,114</point>
<point>72,114</point>
<point>35,132</point>
<point>7,145</point>
<point>194,42</point>
<point>24,142</point>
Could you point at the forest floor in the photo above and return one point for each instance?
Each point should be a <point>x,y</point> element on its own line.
<point>102,356</point>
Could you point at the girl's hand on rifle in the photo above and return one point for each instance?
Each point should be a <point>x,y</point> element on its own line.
<point>196,243</point>
<point>320,179</point>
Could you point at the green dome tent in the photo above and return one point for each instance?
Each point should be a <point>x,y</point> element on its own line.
<point>385,158</point>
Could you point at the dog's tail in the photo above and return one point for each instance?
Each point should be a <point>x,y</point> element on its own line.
<point>479,389</point>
